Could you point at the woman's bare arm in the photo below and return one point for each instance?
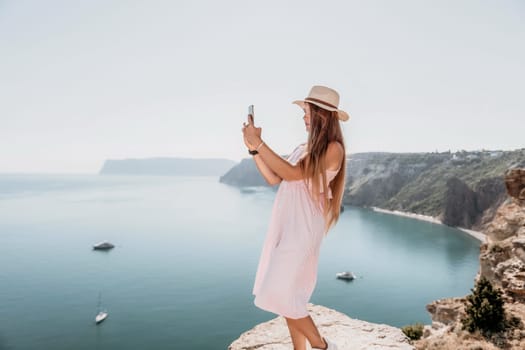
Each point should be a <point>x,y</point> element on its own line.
<point>289,172</point>
<point>278,165</point>
<point>270,177</point>
<point>281,167</point>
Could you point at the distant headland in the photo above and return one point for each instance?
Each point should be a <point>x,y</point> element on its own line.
<point>167,166</point>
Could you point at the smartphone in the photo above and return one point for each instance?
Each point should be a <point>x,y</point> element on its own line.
<point>250,113</point>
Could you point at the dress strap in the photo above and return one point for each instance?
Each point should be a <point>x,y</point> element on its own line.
<point>296,154</point>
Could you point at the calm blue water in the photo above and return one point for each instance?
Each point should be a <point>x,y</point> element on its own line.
<point>183,268</point>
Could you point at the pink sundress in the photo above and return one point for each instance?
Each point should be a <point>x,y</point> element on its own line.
<point>287,270</point>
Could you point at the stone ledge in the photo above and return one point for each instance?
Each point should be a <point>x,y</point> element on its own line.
<point>346,332</point>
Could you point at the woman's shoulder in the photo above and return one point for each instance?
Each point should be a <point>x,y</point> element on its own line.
<point>334,155</point>
<point>335,146</point>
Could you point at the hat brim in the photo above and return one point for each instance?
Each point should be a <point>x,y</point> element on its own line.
<point>342,115</point>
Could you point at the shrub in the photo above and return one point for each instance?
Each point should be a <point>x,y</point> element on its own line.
<point>414,331</point>
<point>484,309</point>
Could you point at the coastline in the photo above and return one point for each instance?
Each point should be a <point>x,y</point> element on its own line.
<point>476,234</point>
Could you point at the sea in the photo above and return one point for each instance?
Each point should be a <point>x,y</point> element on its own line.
<point>183,267</point>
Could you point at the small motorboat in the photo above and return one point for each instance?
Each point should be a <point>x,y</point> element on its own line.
<point>103,246</point>
<point>345,275</point>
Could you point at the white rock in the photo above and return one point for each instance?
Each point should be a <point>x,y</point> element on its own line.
<point>346,332</point>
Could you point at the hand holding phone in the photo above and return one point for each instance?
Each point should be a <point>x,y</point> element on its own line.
<point>250,114</point>
<point>252,134</point>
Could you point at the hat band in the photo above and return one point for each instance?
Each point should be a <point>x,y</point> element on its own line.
<point>320,101</point>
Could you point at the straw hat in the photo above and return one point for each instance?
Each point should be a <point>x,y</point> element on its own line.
<point>325,98</point>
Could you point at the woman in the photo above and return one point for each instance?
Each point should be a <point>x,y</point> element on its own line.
<point>306,205</point>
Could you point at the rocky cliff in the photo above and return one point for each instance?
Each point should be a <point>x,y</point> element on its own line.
<point>346,332</point>
<point>502,259</point>
<point>502,262</point>
<point>460,189</point>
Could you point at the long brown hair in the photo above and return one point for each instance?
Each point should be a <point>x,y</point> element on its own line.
<point>324,128</point>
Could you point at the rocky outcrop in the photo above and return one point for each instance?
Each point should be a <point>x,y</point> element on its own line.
<point>502,262</point>
<point>515,184</point>
<point>465,207</point>
<point>346,332</point>
<point>446,333</point>
<point>445,312</point>
<point>490,192</point>
<point>460,204</point>
<point>502,259</point>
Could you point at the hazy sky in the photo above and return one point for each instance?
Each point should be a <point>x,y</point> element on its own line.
<point>84,81</point>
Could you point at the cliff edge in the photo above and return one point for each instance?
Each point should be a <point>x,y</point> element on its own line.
<point>502,262</point>
<point>346,332</point>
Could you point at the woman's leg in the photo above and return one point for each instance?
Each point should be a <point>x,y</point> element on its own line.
<point>298,339</point>
<point>308,329</point>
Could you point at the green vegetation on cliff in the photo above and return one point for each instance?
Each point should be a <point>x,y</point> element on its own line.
<point>456,187</point>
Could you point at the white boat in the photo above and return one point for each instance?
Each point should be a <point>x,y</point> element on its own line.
<point>105,245</point>
<point>101,317</point>
<point>102,314</point>
<point>345,275</point>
